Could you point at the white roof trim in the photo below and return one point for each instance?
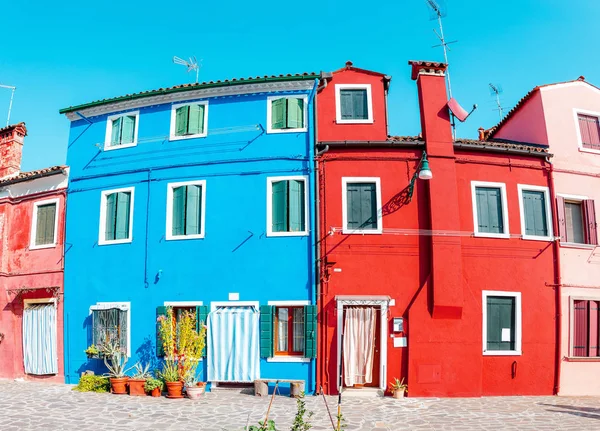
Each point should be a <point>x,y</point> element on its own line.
<point>568,84</point>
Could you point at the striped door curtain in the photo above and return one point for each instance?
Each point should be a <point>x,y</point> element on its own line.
<point>233,342</point>
<point>39,339</point>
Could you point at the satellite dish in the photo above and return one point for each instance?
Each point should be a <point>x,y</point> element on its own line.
<point>458,111</point>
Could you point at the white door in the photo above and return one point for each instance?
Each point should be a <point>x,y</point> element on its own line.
<point>39,339</point>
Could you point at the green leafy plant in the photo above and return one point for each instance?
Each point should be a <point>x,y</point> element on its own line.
<point>170,372</point>
<point>152,383</point>
<point>300,422</point>
<point>342,421</point>
<point>92,351</point>
<point>92,383</point>
<point>115,360</point>
<point>262,426</point>
<point>398,386</point>
<point>142,372</point>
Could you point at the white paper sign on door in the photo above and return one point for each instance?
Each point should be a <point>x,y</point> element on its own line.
<point>505,334</point>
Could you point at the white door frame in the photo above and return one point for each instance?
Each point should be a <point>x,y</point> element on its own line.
<point>35,301</point>
<point>375,301</point>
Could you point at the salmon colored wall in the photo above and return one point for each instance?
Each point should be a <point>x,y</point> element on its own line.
<point>21,267</point>
<point>529,126</point>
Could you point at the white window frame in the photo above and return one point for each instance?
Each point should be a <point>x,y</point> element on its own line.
<point>570,198</point>
<point>102,230</point>
<point>577,111</point>
<point>169,233</point>
<point>338,105</point>
<point>352,180</point>
<point>572,300</point>
<point>290,96</point>
<point>518,323</point>
<point>172,131</point>
<point>502,187</point>
<point>33,231</point>
<point>126,306</point>
<point>270,181</point>
<point>109,121</point>
<point>550,227</point>
<point>283,358</point>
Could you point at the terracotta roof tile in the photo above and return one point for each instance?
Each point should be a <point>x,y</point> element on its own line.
<point>12,126</point>
<point>482,145</point>
<point>31,175</point>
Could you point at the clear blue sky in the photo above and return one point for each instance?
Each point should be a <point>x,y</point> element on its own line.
<point>72,53</point>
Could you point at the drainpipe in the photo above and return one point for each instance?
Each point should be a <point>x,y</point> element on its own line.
<point>146,284</point>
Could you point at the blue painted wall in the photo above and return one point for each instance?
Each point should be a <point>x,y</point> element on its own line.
<point>235,254</point>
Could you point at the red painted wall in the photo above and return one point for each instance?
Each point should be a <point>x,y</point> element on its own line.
<point>435,280</point>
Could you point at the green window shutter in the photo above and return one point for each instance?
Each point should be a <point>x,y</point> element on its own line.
<point>361,205</point>
<point>500,315</point>
<point>128,133</point>
<point>279,210</point>
<point>181,120</point>
<point>296,206</point>
<point>115,137</point>
<point>346,104</point>
<point>46,215</point>
<point>489,210</point>
<point>278,113</point>
<point>310,331</point>
<point>295,113</point>
<point>201,317</point>
<point>359,104</point>
<point>160,312</point>
<point>111,216</point>
<point>196,119</point>
<point>122,214</point>
<point>179,201</point>
<point>266,330</point>
<point>193,210</point>
<point>534,207</point>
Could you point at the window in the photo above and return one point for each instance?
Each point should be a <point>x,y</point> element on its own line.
<point>589,131</point>
<point>185,210</point>
<point>287,206</point>
<point>121,131</point>
<point>288,331</point>
<point>177,310</point>
<point>577,220</point>
<point>490,214</point>
<point>111,323</point>
<point>116,216</point>
<point>501,323</point>
<point>189,120</point>
<point>536,216</point>
<point>353,103</point>
<point>44,224</point>
<point>585,328</point>
<point>286,114</point>
<point>361,205</point>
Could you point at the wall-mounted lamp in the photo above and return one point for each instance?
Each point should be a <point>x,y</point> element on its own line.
<point>423,172</point>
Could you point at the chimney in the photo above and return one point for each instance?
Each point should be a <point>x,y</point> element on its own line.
<point>11,149</point>
<point>481,131</point>
<point>446,251</point>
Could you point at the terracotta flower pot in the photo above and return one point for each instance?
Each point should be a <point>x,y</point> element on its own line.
<point>174,389</point>
<point>119,385</point>
<point>195,392</point>
<point>155,392</point>
<point>398,394</point>
<point>136,387</point>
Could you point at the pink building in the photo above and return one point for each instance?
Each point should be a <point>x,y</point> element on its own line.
<point>31,264</point>
<point>566,117</point>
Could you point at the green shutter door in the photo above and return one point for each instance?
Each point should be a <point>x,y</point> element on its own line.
<point>160,312</point>
<point>310,331</point>
<point>181,120</point>
<point>179,201</point>
<point>115,137</point>
<point>297,206</point>
<point>279,210</point>
<point>534,207</point>
<point>123,211</point>
<point>489,210</point>
<point>266,330</point>
<point>346,105</point>
<point>500,315</point>
<point>201,318</point>
<point>128,133</point>
<point>359,104</point>
<point>111,214</point>
<point>44,232</point>
<point>193,210</point>
<point>353,207</point>
<point>295,113</point>
<point>196,119</point>
<point>368,201</point>
<point>278,113</point>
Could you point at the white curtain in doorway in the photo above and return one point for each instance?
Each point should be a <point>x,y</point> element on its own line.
<point>359,345</point>
<point>39,339</point>
<point>233,345</point>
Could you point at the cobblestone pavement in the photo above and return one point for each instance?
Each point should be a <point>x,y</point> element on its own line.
<point>42,406</point>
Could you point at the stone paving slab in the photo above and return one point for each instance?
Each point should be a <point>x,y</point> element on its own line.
<point>44,406</point>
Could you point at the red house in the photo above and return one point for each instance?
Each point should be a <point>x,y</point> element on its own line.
<point>31,264</point>
<point>436,256</point>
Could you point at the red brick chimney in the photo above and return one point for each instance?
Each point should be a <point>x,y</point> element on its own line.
<point>11,149</point>
<point>446,252</point>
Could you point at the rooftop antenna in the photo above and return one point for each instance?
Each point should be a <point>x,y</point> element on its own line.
<point>496,91</point>
<point>12,95</point>
<point>191,64</point>
<point>437,12</point>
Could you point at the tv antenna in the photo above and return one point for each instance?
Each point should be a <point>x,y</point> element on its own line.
<point>437,12</point>
<point>496,91</point>
<point>12,95</point>
<point>191,64</point>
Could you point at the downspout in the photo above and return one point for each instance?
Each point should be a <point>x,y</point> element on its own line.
<point>146,284</point>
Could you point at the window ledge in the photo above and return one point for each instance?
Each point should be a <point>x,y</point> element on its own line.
<point>118,241</point>
<point>300,130</point>
<point>537,238</point>
<point>588,150</point>
<point>39,247</point>
<point>296,359</point>
<point>368,121</point>
<point>183,237</point>
<point>118,147</point>
<point>581,359</point>
<point>502,353</point>
<point>275,234</point>
<point>362,232</point>
<point>576,245</point>
<point>491,235</point>
<point>184,137</point>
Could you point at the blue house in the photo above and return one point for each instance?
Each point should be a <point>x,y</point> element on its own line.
<point>198,197</point>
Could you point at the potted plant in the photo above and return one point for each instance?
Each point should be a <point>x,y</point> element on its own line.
<point>116,361</point>
<point>154,386</point>
<point>136,383</point>
<point>92,352</point>
<point>398,388</point>
<point>194,389</point>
